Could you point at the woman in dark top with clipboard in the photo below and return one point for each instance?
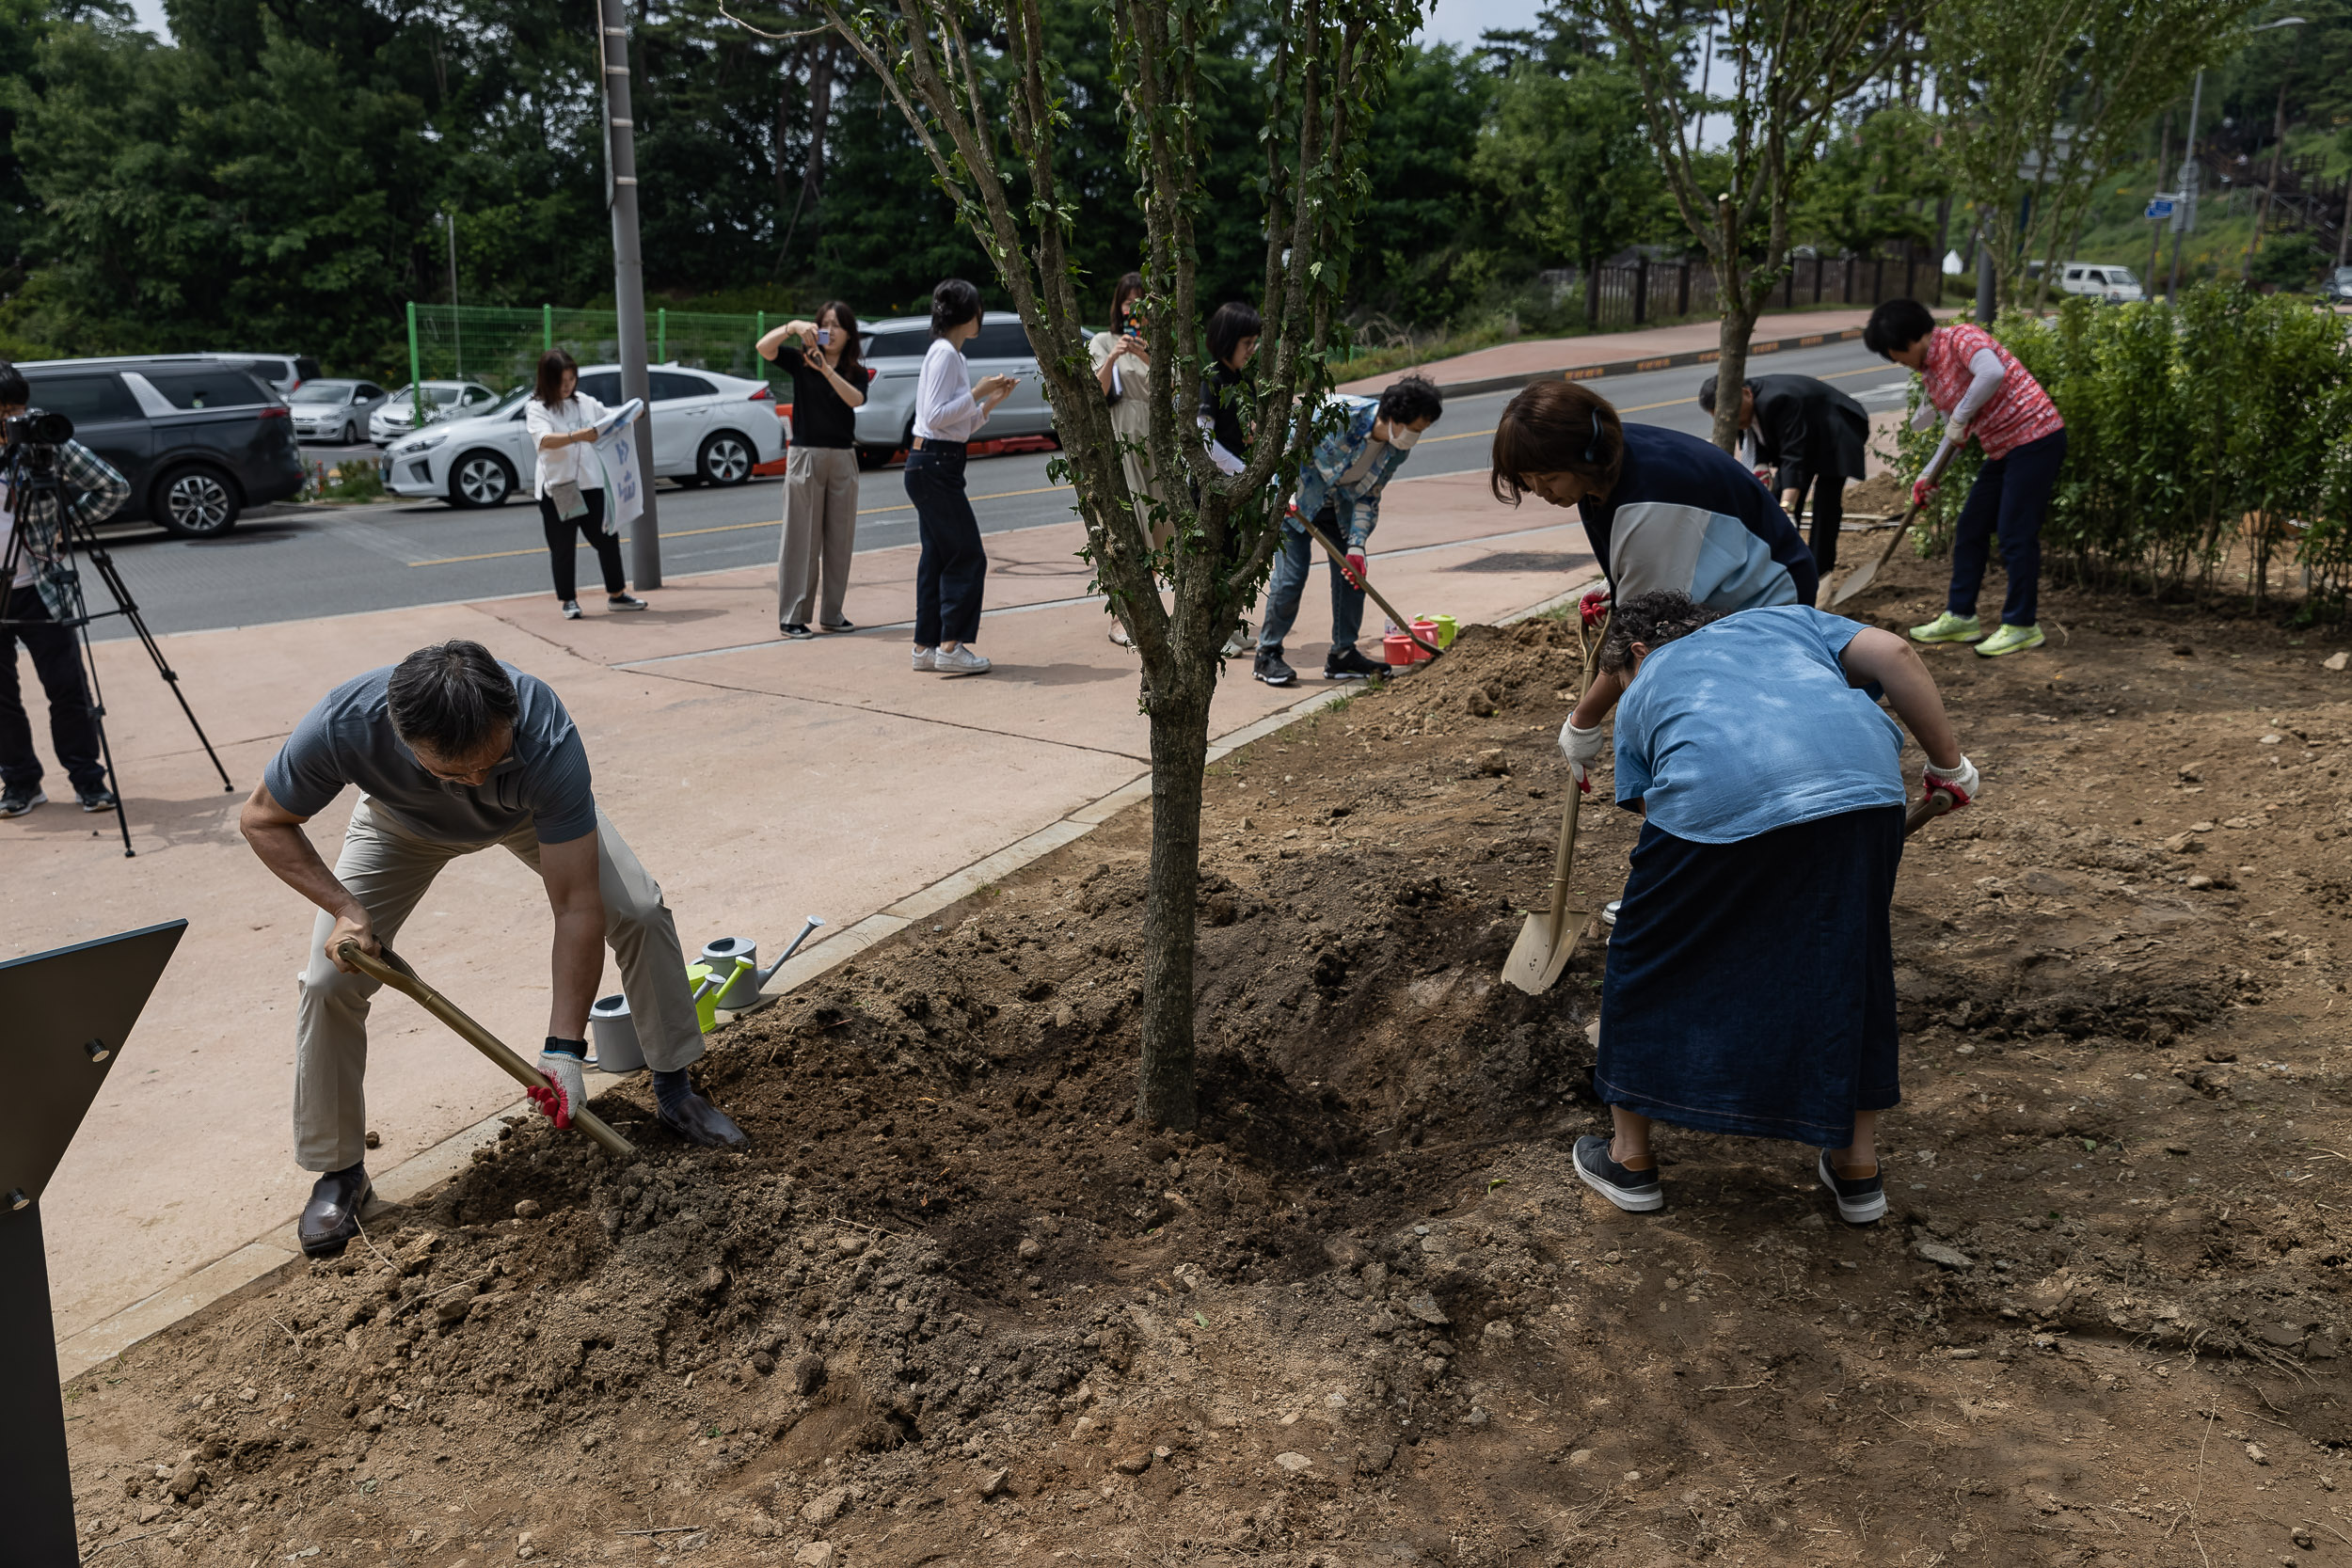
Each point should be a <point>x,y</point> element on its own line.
<point>820,473</point>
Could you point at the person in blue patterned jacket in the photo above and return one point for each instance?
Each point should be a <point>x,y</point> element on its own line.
<point>1340,488</point>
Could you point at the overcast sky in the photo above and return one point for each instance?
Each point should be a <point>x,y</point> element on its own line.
<point>1453,21</point>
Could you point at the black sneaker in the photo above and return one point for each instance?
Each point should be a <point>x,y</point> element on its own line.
<point>839,625</point>
<point>101,799</point>
<point>1634,1191</point>
<point>571,609</point>
<point>1861,1200</point>
<point>16,799</point>
<point>624,601</point>
<point>795,630</point>
<point>1346,664</point>
<point>1270,669</point>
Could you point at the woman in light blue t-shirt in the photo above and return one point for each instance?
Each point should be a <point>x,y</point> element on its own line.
<point>1750,986</point>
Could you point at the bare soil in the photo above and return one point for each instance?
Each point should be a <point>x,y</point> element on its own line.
<point>955,1307</point>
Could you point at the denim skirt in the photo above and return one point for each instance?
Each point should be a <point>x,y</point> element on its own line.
<point>1750,987</point>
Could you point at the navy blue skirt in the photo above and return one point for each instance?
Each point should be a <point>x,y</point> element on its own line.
<point>1750,987</point>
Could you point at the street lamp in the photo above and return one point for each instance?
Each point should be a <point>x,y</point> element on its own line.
<point>458,342</point>
<point>2184,216</point>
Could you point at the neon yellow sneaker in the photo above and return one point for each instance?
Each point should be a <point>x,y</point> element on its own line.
<point>2009,640</point>
<point>1948,627</point>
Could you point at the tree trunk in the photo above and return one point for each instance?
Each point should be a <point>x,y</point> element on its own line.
<point>1731,360</point>
<point>812,171</point>
<point>1180,749</point>
<point>2270,192</point>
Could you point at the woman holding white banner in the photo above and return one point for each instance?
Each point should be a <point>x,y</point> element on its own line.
<point>563,419</point>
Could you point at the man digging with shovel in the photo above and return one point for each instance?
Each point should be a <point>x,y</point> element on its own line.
<point>452,752</point>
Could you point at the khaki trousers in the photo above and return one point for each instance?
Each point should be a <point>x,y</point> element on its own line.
<point>819,532</point>
<point>387,870</point>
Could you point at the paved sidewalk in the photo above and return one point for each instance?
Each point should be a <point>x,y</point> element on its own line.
<point>760,781</point>
<point>1656,348</point>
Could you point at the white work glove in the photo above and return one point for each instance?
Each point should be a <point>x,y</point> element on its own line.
<point>1960,782</point>
<point>1582,748</point>
<point>567,1090</point>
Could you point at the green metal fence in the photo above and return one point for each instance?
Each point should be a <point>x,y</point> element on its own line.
<point>500,347</point>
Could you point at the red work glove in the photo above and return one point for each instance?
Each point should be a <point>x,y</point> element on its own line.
<point>1922,491</point>
<point>1356,569</point>
<point>1593,609</point>
<point>1763,476</point>
<point>566,1088</point>
<point>1962,784</point>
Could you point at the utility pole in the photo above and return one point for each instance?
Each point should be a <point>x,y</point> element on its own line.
<point>2184,216</point>
<point>456,333</point>
<point>2270,193</point>
<point>629,274</point>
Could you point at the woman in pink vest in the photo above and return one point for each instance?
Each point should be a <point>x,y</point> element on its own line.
<point>1981,390</point>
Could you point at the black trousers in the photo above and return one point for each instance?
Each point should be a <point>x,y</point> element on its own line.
<point>952,568</point>
<point>562,532</point>
<point>1829,515</point>
<point>57,661</point>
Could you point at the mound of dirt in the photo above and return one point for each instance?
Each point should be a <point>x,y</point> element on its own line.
<point>955,1306</point>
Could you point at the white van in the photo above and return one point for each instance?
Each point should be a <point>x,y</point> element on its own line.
<point>2112,284</point>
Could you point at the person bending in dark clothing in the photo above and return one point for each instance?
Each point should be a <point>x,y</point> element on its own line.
<point>1813,436</point>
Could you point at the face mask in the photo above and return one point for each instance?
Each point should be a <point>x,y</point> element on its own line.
<point>1402,436</point>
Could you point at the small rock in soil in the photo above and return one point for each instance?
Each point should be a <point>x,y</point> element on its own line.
<point>1030,1249</point>
<point>1345,1252</point>
<point>817,1554</point>
<point>1133,1464</point>
<point>1941,1255</point>
<point>1493,763</point>
<point>1425,1308</point>
<point>994,1482</point>
<point>824,1508</point>
<point>527,1210</point>
<point>1293,1463</point>
<point>808,1372</point>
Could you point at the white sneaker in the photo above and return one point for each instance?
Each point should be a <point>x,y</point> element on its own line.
<point>959,661</point>
<point>1118,635</point>
<point>1239,644</point>
<point>924,659</point>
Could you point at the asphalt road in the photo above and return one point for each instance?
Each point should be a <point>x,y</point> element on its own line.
<point>310,561</point>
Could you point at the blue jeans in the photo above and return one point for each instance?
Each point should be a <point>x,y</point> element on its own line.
<point>1291,563</point>
<point>953,567</point>
<point>2010,498</point>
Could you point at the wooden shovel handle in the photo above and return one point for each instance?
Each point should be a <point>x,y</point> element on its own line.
<point>1934,803</point>
<point>392,970</point>
<point>1387,608</point>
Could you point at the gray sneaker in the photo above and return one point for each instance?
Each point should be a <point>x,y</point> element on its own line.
<point>959,661</point>
<point>926,659</point>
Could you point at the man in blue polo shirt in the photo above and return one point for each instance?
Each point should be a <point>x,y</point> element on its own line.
<point>452,752</point>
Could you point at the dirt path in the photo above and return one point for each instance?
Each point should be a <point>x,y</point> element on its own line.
<point>956,1309</point>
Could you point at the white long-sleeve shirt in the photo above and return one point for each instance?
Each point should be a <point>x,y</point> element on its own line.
<point>577,463</point>
<point>944,405</point>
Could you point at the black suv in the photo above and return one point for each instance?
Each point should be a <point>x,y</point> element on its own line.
<point>198,441</point>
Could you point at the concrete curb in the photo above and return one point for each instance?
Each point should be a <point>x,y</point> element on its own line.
<point>279,1251</point>
<point>1636,366</point>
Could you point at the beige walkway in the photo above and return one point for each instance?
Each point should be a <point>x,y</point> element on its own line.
<point>1533,357</point>
<point>760,781</point>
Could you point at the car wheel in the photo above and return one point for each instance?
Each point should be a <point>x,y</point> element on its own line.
<point>726,459</point>
<point>480,479</point>
<point>196,503</point>
<point>351,436</point>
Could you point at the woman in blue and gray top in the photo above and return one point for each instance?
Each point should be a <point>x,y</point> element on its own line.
<point>1340,488</point>
<point>1750,986</point>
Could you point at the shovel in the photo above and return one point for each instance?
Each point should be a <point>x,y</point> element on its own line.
<point>1860,577</point>
<point>1339,557</point>
<point>1550,938</point>
<point>392,970</point>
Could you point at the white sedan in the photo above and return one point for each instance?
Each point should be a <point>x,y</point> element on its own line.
<point>708,429</point>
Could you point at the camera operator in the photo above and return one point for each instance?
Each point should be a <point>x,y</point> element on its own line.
<point>37,598</point>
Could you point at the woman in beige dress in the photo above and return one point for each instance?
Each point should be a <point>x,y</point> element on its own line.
<point>1123,366</point>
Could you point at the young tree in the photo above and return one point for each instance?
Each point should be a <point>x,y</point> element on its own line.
<point>2048,99</point>
<point>1784,68</point>
<point>980,87</point>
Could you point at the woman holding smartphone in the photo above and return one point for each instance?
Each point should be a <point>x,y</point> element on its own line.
<point>948,409</point>
<point>820,473</point>
<point>1122,368</point>
<point>561,419</point>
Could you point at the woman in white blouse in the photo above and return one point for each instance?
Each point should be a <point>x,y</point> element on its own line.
<point>562,421</point>
<point>948,408</point>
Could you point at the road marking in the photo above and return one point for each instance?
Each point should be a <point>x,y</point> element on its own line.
<point>723,528</point>
<point>1647,407</point>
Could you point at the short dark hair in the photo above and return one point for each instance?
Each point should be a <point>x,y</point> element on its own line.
<point>1707,392</point>
<point>953,302</point>
<point>552,365</point>
<point>452,698</point>
<point>1653,619</point>
<point>1410,399</point>
<point>1555,427</point>
<point>13,387</point>
<point>1896,324</point>
<point>1228,324</point>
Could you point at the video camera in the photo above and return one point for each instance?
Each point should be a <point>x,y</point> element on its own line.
<point>36,427</point>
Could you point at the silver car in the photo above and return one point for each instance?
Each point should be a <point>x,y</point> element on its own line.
<point>894,352</point>
<point>443,400</point>
<point>326,410</point>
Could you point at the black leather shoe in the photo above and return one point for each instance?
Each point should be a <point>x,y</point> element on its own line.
<point>698,1121</point>
<point>331,1218</point>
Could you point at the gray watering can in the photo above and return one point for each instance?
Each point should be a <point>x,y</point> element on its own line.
<point>740,981</point>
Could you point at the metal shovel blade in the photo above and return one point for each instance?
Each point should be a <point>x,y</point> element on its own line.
<point>1542,951</point>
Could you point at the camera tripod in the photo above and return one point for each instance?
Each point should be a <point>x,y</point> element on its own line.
<point>36,494</point>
